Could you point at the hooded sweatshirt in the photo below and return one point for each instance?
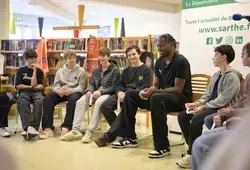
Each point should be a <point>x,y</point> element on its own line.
<point>228,90</point>
<point>67,79</point>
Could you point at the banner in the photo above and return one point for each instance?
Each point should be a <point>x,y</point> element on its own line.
<point>187,4</point>
<point>42,60</point>
<point>92,57</point>
<point>202,29</point>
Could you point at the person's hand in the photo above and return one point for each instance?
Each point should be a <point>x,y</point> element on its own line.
<point>39,86</point>
<point>149,92</point>
<point>34,66</point>
<point>225,111</point>
<point>217,120</point>
<point>141,94</point>
<point>60,92</point>
<point>120,96</point>
<point>97,94</point>
<point>67,92</point>
<point>190,105</point>
<point>197,110</point>
<point>88,94</point>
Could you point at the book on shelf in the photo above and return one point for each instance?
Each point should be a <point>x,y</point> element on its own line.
<point>14,60</point>
<point>122,44</point>
<point>62,45</point>
<point>120,59</point>
<point>50,80</point>
<point>19,45</point>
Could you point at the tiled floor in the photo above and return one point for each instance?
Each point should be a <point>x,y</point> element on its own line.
<point>53,154</point>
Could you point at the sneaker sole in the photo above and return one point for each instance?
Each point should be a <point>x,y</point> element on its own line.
<point>159,156</point>
<point>122,147</point>
<point>183,166</point>
<point>31,136</point>
<point>24,136</point>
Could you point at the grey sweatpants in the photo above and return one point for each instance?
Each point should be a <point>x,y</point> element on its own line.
<point>24,102</point>
<point>82,106</point>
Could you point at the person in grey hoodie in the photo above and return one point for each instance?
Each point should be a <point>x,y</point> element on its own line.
<point>223,91</point>
<point>102,84</point>
<point>204,146</point>
<point>69,84</point>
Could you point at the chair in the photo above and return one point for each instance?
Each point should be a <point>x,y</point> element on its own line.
<point>200,83</point>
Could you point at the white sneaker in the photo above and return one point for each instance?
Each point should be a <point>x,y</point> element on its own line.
<point>4,133</point>
<point>31,133</point>
<point>185,162</point>
<point>87,138</point>
<point>72,135</point>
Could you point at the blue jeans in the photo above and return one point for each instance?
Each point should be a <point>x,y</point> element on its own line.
<point>204,144</point>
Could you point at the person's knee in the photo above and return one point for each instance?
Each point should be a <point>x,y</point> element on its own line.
<point>74,98</point>
<point>182,116</point>
<point>208,121</point>
<point>131,93</point>
<point>197,120</point>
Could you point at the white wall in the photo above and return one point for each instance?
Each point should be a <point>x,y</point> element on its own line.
<point>193,44</point>
<point>137,23</point>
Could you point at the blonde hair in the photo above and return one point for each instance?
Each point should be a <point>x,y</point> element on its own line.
<point>68,53</point>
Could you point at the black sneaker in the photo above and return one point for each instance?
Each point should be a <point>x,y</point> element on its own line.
<point>31,133</point>
<point>125,143</point>
<point>159,154</point>
<point>24,134</point>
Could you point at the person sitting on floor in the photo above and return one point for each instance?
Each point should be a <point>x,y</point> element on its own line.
<point>170,92</point>
<point>136,76</point>
<point>69,84</point>
<point>29,83</point>
<point>207,141</point>
<point>223,91</point>
<point>102,84</point>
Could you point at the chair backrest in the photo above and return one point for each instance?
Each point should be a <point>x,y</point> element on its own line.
<point>200,83</point>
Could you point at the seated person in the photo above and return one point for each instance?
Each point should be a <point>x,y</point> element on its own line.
<point>69,84</point>
<point>205,143</point>
<point>136,76</point>
<point>28,82</point>
<point>221,92</point>
<point>170,92</point>
<point>6,100</point>
<point>102,84</point>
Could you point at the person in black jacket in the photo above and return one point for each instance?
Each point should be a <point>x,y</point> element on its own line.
<point>102,84</point>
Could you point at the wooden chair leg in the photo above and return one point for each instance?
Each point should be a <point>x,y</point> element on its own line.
<point>148,119</point>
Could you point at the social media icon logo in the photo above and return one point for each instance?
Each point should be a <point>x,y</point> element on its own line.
<point>219,40</point>
<point>229,40</point>
<point>209,41</point>
<point>239,40</point>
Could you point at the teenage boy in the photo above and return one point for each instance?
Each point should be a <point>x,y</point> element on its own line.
<point>28,82</point>
<point>69,84</point>
<point>136,76</point>
<point>171,90</point>
<point>206,142</point>
<point>102,84</point>
<point>221,92</point>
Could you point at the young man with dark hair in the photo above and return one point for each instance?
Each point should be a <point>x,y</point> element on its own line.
<point>102,84</point>
<point>171,90</point>
<point>136,76</point>
<point>28,82</point>
<point>223,91</point>
<point>207,141</point>
<point>69,84</point>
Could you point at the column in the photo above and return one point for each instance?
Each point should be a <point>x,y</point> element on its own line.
<point>5,17</point>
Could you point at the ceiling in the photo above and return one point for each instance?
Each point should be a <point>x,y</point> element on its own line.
<point>67,9</point>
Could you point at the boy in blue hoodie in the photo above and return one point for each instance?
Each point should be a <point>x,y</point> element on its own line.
<point>223,91</point>
<point>69,84</point>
